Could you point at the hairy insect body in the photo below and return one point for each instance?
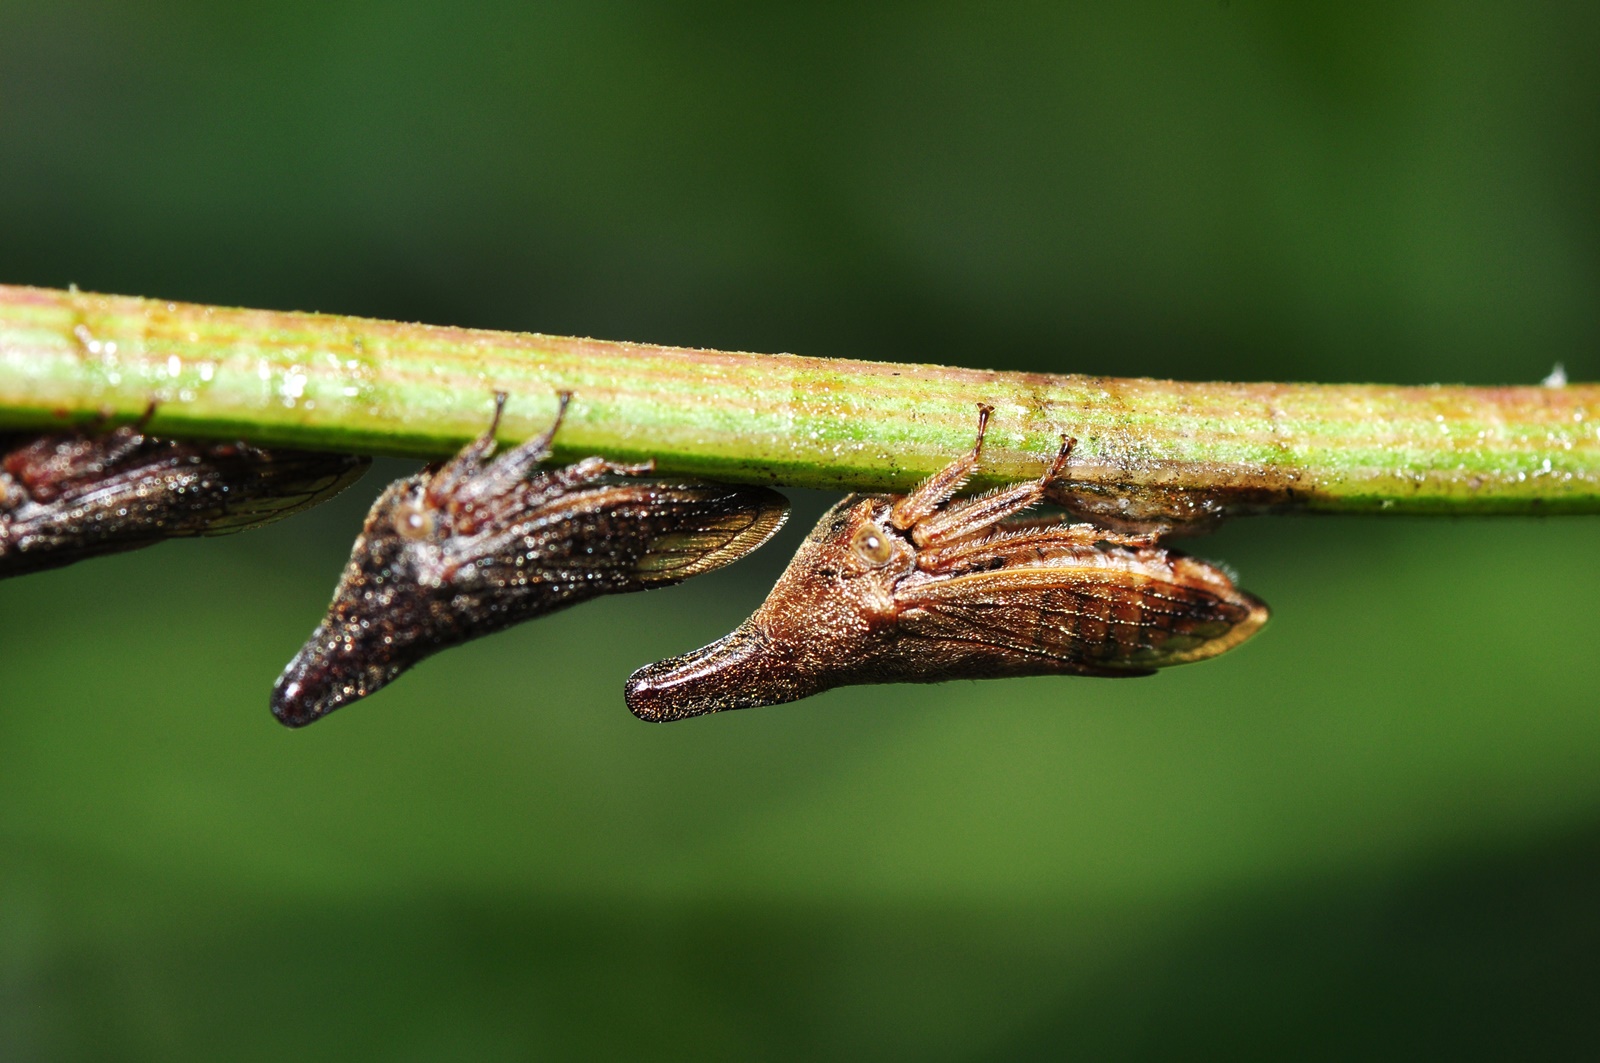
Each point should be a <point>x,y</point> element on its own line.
<point>917,588</point>
<point>69,496</point>
<point>481,543</point>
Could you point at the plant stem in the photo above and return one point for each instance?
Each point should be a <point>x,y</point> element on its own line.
<point>341,383</point>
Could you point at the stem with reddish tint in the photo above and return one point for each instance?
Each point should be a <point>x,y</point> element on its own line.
<point>320,381</point>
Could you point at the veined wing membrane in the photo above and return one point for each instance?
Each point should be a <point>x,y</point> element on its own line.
<point>1121,621</point>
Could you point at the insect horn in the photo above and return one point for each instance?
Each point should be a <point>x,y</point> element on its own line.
<point>336,666</point>
<point>741,670</point>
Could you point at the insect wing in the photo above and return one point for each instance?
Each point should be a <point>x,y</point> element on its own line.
<point>689,529</point>
<point>1087,619</point>
<point>68,497</point>
<point>628,536</point>
<point>273,484</point>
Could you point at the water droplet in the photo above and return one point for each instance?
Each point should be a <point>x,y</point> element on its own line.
<point>86,338</point>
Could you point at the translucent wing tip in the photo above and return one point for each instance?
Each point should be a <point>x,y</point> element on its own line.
<point>1254,615</point>
<point>735,521</point>
<point>286,482</point>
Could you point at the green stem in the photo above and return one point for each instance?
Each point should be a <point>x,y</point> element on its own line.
<point>342,383</point>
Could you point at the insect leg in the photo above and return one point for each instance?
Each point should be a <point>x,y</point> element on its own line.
<point>449,476</point>
<point>976,516</point>
<point>513,467</point>
<point>122,443</point>
<point>100,450</point>
<point>933,492</point>
<point>1030,541</point>
<point>570,477</point>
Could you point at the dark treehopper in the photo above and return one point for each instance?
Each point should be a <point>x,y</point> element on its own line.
<point>917,588</point>
<point>68,496</point>
<point>475,545</point>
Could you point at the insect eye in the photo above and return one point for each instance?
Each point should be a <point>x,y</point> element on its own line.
<point>871,544</point>
<point>414,520</point>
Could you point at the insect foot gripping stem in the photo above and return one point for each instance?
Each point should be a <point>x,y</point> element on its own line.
<point>479,543</point>
<point>68,496</point>
<point>920,589</point>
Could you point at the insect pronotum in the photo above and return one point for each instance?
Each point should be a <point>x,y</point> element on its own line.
<point>479,543</point>
<point>68,496</point>
<point>917,588</point>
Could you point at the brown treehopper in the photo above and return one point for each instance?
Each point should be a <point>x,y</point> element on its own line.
<point>917,588</point>
<point>480,543</point>
<point>74,495</point>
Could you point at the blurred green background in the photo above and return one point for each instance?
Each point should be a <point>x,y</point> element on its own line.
<point>1374,831</point>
